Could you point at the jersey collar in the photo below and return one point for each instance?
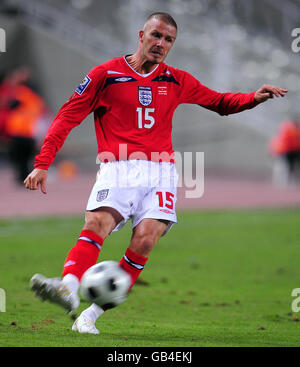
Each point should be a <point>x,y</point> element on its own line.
<point>141,75</point>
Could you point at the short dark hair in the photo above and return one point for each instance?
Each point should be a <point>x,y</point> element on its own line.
<point>165,17</point>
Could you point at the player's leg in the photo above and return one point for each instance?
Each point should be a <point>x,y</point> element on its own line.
<point>106,207</point>
<point>152,212</point>
<point>99,223</point>
<point>144,237</point>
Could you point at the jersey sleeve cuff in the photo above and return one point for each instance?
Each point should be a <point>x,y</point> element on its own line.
<point>254,102</point>
<point>41,166</point>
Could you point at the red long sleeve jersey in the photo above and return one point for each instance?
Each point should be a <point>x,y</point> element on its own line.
<point>134,111</point>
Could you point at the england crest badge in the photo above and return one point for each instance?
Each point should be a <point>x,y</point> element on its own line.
<point>145,96</point>
<point>102,194</point>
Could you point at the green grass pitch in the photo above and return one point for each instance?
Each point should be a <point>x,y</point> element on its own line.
<point>219,278</point>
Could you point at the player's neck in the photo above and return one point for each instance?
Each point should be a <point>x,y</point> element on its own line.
<point>140,64</point>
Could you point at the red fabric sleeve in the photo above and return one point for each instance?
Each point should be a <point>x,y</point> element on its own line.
<point>71,114</point>
<point>222,103</point>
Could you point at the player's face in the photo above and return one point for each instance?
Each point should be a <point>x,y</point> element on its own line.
<point>157,40</point>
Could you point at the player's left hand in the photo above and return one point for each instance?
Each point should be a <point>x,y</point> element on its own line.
<point>268,91</point>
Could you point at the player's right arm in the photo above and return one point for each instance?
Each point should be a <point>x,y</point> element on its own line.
<point>72,113</point>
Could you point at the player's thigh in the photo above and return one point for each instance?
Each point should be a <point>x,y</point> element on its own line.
<point>146,234</point>
<point>102,220</point>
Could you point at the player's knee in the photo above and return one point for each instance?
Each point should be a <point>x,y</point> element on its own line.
<point>143,244</point>
<point>97,226</point>
<point>92,224</point>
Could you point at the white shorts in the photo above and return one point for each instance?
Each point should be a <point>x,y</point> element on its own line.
<point>137,189</point>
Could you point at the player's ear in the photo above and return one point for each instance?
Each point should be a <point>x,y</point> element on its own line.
<point>141,35</point>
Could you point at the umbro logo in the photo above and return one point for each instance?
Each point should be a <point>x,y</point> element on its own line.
<point>123,79</point>
<point>117,80</point>
<point>69,263</point>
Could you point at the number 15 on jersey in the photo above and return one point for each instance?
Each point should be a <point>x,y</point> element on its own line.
<point>145,120</point>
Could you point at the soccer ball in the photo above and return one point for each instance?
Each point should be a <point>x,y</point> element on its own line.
<point>105,284</point>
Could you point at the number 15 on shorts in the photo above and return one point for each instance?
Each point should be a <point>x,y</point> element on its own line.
<point>165,199</point>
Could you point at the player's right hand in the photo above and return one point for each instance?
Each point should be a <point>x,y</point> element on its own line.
<point>36,178</point>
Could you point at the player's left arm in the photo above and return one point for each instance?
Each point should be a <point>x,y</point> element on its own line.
<point>229,103</point>
<point>193,91</point>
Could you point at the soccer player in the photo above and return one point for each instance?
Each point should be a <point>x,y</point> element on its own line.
<point>133,98</point>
